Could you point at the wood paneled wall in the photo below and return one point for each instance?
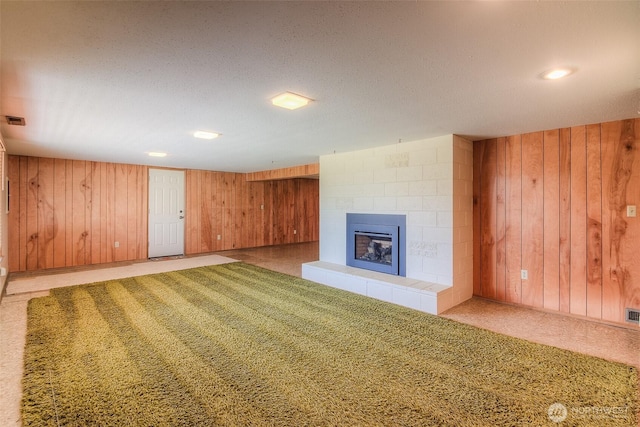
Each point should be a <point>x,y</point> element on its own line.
<point>554,203</point>
<point>248,214</point>
<point>302,171</point>
<point>66,213</point>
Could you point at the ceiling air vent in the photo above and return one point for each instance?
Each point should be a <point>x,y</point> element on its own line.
<point>15,121</point>
<point>632,315</point>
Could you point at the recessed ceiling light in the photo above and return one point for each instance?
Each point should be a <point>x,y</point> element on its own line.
<point>290,101</point>
<point>157,154</point>
<point>556,73</point>
<point>205,135</point>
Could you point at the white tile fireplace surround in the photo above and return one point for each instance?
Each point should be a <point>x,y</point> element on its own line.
<point>431,182</point>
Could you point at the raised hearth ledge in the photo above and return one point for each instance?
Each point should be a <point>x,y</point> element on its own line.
<point>424,296</point>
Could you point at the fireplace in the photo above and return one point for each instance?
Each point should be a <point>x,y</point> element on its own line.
<point>377,242</point>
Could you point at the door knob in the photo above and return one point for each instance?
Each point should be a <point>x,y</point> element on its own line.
<point>181,217</point>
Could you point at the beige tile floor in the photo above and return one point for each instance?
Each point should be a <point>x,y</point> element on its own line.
<point>612,342</point>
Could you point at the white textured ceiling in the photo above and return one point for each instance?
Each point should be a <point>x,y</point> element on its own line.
<point>111,81</point>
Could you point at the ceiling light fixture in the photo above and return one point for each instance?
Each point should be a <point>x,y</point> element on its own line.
<point>205,135</point>
<point>290,101</point>
<point>557,73</point>
<point>157,154</point>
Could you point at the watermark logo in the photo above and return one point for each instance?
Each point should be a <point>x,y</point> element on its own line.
<point>557,412</point>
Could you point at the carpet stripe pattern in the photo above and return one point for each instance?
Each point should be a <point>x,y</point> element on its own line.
<point>239,345</point>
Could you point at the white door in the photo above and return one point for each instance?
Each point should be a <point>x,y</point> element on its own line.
<point>166,212</point>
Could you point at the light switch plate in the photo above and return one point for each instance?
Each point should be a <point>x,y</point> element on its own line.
<point>524,274</point>
<point>631,211</point>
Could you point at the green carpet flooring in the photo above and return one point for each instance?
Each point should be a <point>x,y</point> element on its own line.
<point>238,345</point>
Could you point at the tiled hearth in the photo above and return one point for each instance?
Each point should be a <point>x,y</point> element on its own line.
<point>417,294</point>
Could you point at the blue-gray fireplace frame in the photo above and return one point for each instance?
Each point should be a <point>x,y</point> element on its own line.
<point>392,225</point>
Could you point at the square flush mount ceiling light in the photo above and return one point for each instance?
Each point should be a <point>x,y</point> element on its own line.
<point>290,101</point>
<point>205,135</point>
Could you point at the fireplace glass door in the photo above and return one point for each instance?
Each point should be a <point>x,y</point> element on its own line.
<point>374,247</point>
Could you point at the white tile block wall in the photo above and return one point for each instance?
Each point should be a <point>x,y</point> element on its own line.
<point>430,181</point>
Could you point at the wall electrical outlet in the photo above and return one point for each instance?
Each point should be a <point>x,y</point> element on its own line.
<point>631,211</point>
<point>116,245</point>
<point>524,274</point>
<point>219,237</point>
<point>295,231</point>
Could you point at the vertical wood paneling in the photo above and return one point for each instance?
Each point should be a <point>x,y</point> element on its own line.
<point>250,205</point>
<point>611,288</point>
<point>589,175</point>
<point>239,213</point>
<point>313,198</point>
<point>32,213</point>
<point>235,213</point>
<point>533,219</point>
<point>621,183</point>
<point>594,223</point>
<point>551,251</point>
<point>513,226</point>
<point>59,207</point>
<point>143,212</point>
<point>298,218</point>
<point>206,216</point>
<point>258,193</point>
<point>98,238</point>
<point>137,206</point>
<point>13,172</point>
<point>192,211</point>
<point>306,211</point>
<point>564,225</point>
<point>121,212</point>
<point>132,211</point>
<point>228,238</point>
<point>488,220</point>
<point>290,221</point>
<point>278,205</point>
<point>282,211</point>
<point>65,213</point>
<point>288,190</point>
<point>88,217</point>
<point>199,227</point>
<point>630,257</point>
<point>268,212</point>
<point>478,153</point>
<point>217,220</point>
<point>299,221</point>
<point>69,191</point>
<point>22,192</point>
<point>501,267</point>
<point>110,211</point>
<point>79,203</point>
<point>578,221</point>
<point>47,221</point>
